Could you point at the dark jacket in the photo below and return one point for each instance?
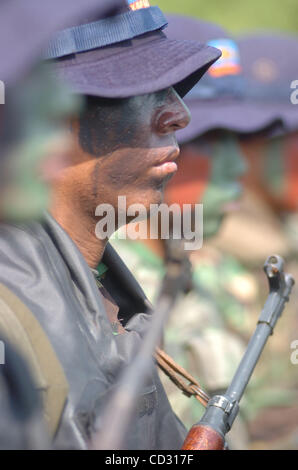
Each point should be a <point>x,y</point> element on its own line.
<point>42,266</point>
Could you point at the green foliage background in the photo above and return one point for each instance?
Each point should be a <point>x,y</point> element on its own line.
<point>239,15</point>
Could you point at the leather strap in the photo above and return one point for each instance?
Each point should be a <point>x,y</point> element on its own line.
<point>180,377</point>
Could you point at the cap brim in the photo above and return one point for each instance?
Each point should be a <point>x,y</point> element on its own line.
<point>25,27</point>
<point>240,117</point>
<point>145,67</point>
<point>288,114</point>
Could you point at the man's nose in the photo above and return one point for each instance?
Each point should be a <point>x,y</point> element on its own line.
<point>175,115</point>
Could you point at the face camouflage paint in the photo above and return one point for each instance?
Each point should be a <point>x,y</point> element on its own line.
<point>280,171</point>
<point>125,147</point>
<point>191,179</point>
<point>291,158</point>
<point>213,180</point>
<point>273,169</point>
<point>37,110</point>
<point>224,188</point>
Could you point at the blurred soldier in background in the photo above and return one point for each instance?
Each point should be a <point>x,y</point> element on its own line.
<point>122,146</point>
<point>267,223</point>
<point>202,333</point>
<point>271,159</point>
<point>36,103</point>
<point>31,136</point>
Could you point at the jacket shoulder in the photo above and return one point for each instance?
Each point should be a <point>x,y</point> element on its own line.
<point>22,329</point>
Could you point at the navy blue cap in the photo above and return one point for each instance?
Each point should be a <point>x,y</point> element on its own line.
<point>27,25</point>
<point>219,100</point>
<point>270,66</point>
<point>128,55</point>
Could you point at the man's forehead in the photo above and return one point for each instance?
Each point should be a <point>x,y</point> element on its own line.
<point>154,99</point>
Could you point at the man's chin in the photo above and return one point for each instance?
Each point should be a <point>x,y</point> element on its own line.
<point>153,197</point>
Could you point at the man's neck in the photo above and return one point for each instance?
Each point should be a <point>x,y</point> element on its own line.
<point>81,229</point>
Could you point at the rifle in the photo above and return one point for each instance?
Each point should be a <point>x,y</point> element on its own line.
<point>209,433</point>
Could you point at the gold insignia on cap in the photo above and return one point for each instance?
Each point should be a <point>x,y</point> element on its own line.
<point>138,4</point>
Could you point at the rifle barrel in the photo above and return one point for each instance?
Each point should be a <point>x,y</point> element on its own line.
<point>269,316</point>
<point>222,410</point>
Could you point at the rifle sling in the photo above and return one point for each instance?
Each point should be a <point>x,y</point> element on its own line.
<point>180,377</point>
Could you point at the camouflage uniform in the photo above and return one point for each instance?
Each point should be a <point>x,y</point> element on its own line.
<point>275,384</point>
<point>203,341</point>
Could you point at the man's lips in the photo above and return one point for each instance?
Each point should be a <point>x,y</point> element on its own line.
<point>167,165</point>
<point>165,169</point>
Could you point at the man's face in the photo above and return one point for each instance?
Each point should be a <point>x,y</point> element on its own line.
<point>273,169</point>
<point>209,172</point>
<point>127,148</point>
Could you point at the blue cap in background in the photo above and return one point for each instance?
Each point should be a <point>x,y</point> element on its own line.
<point>219,100</point>
<point>270,65</point>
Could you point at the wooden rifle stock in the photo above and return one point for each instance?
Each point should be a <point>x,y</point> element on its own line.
<point>202,437</point>
<point>221,411</point>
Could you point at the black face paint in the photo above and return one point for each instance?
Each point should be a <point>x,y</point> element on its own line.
<point>95,175</point>
<point>109,124</point>
<point>106,125</point>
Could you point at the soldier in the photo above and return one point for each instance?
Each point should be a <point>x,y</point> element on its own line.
<point>270,155</point>
<point>36,103</point>
<point>268,220</point>
<point>210,166</point>
<point>83,297</point>
<point>28,136</point>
